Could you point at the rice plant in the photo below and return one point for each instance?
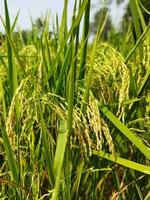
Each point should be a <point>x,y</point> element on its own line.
<point>74,116</point>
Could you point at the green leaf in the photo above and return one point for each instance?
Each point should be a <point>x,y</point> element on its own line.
<point>124,162</point>
<point>70,33</point>
<point>59,156</point>
<point>9,151</point>
<point>127,133</point>
<point>137,44</point>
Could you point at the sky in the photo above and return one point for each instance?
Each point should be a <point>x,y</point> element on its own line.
<point>38,8</point>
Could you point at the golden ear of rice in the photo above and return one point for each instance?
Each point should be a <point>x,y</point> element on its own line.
<point>110,79</point>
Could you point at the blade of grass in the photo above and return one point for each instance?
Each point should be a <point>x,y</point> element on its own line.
<point>147,196</point>
<point>15,22</point>
<point>85,41</point>
<point>44,57</point>
<point>46,147</point>
<point>63,26</point>
<point>76,35</point>
<point>12,70</point>
<point>70,32</point>
<point>5,181</point>
<point>59,156</point>
<point>63,70</point>
<point>92,59</point>
<point>142,6</point>
<point>45,44</point>
<point>9,152</point>
<point>71,87</point>
<point>140,92</point>
<point>8,35</point>
<point>137,44</point>
<point>124,129</point>
<point>13,80</point>
<point>77,182</point>
<point>124,162</point>
<point>144,81</point>
<point>136,22</point>
<point>141,16</point>
<point>70,99</point>
<point>3,62</point>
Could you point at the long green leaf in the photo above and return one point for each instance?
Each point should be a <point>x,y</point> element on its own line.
<point>8,35</point>
<point>140,92</point>
<point>124,162</point>
<point>137,44</point>
<point>11,66</point>
<point>63,70</point>
<point>101,25</point>
<point>46,147</point>
<point>9,152</point>
<point>63,26</point>
<point>15,22</point>
<point>85,41</point>
<point>70,32</point>
<point>136,22</point>
<point>141,16</point>
<point>59,156</point>
<point>124,129</point>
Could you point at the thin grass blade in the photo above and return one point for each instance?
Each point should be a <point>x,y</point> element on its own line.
<point>85,41</point>
<point>137,44</point>
<point>59,157</point>
<point>124,162</point>
<point>9,152</point>
<point>127,133</point>
<point>136,22</point>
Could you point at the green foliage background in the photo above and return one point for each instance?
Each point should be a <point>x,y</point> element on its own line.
<point>74,116</point>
